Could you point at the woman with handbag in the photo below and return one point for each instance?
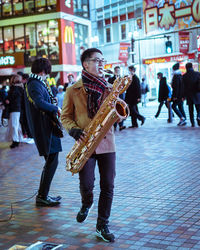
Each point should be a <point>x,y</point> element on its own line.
<point>14,131</point>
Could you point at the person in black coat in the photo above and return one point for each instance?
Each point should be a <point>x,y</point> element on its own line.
<point>133,97</point>
<point>191,79</point>
<point>178,94</point>
<point>163,93</point>
<point>111,80</point>
<point>40,106</point>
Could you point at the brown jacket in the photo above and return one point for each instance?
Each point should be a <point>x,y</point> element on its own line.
<point>74,115</point>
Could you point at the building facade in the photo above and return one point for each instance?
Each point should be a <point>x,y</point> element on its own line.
<point>54,29</point>
<point>138,32</point>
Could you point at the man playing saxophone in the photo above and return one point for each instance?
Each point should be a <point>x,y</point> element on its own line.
<point>81,103</point>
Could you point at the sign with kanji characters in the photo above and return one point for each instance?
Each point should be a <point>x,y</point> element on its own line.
<point>123,51</point>
<point>177,58</point>
<point>184,41</point>
<point>170,15</point>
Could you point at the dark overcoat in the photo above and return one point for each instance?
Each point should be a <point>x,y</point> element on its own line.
<point>190,81</point>
<point>163,92</point>
<point>38,117</point>
<point>177,86</point>
<point>15,96</point>
<point>133,92</point>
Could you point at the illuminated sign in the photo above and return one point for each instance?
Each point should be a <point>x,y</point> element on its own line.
<point>7,60</point>
<point>198,43</point>
<point>176,58</point>
<point>68,3</point>
<point>68,35</point>
<point>184,41</point>
<point>165,16</point>
<point>51,81</point>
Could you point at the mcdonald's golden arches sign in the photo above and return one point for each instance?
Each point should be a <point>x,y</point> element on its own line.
<point>68,35</point>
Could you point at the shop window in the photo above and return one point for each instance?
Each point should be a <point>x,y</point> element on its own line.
<point>1,41</point>
<point>108,36</point>
<point>8,38</point>
<point>19,38</point>
<point>7,8</point>
<point>17,7</point>
<point>51,4</point>
<point>53,34</point>
<point>42,39</point>
<point>30,42</point>
<point>123,31</point>
<point>29,6</point>
<point>40,5</point>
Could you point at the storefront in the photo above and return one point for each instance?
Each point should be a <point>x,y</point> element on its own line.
<point>56,34</point>
<point>164,64</point>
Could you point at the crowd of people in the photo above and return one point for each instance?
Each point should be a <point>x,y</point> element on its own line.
<point>33,106</point>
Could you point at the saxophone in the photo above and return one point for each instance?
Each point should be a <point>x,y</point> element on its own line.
<point>112,110</point>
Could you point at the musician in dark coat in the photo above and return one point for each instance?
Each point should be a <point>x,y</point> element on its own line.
<point>133,97</point>
<point>39,103</point>
<point>191,79</point>
<point>163,93</point>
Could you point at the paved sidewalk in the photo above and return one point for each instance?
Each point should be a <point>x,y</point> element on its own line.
<point>156,203</point>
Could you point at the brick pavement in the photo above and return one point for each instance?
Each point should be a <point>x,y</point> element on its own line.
<point>156,202</point>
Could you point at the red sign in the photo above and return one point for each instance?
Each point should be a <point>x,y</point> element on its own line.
<point>184,41</point>
<point>198,43</point>
<point>123,51</point>
<point>176,58</point>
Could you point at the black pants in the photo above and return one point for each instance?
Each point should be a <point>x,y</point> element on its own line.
<point>160,107</point>
<point>180,110</point>
<point>134,113</point>
<point>106,164</point>
<point>191,111</point>
<point>51,163</point>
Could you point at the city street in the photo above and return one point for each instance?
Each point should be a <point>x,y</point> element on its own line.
<point>156,202</point>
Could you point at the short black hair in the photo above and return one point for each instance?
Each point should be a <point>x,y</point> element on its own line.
<point>88,53</point>
<point>40,65</point>
<point>116,67</point>
<point>132,68</point>
<point>188,66</point>
<point>160,74</point>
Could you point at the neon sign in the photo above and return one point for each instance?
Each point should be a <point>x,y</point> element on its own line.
<point>68,3</point>
<point>7,60</point>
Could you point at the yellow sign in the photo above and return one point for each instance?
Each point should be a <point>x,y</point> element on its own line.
<point>51,81</point>
<point>68,35</point>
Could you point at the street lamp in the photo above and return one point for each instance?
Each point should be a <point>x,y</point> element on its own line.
<point>131,35</point>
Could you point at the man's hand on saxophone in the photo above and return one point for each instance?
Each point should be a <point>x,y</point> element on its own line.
<point>76,133</point>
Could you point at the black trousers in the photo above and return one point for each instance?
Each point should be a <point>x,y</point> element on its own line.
<point>51,163</point>
<point>160,107</point>
<point>180,110</point>
<point>134,113</point>
<point>106,164</point>
<point>191,111</point>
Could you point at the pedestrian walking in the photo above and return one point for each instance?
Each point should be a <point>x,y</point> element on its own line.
<point>122,96</point>
<point>178,94</point>
<point>144,91</point>
<point>191,81</point>
<point>14,99</point>
<point>60,96</point>
<point>133,97</point>
<point>70,82</point>
<point>3,96</point>
<point>81,103</point>
<point>163,93</point>
<point>40,107</point>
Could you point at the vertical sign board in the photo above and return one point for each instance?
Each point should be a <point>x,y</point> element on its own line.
<point>123,51</point>
<point>184,41</point>
<point>198,42</point>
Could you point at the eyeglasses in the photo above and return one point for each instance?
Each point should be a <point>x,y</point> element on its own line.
<point>97,60</point>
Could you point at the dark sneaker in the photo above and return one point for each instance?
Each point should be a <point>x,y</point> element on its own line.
<point>46,202</point>
<point>57,198</point>
<point>122,127</point>
<point>143,120</point>
<point>82,214</point>
<point>14,144</point>
<point>103,232</point>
